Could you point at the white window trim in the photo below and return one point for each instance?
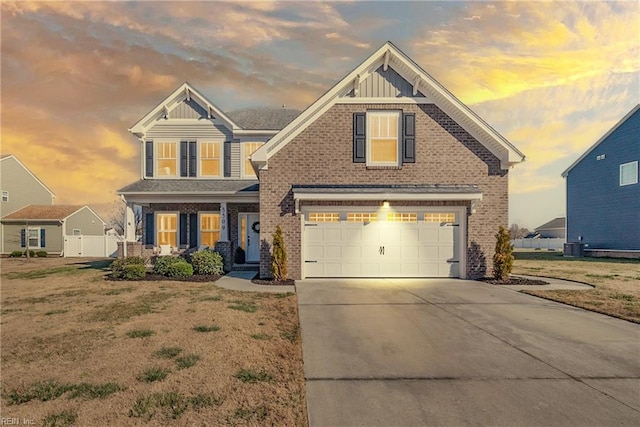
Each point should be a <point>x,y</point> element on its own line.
<point>368,130</point>
<point>5,196</point>
<point>199,158</point>
<point>156,159</point>
<point>629,164</point>
<point>157,228</point>
<point>200,228</point>
<point>243,172</point>
<point>38,234</point>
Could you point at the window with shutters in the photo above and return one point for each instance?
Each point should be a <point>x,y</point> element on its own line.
<point>382,138</point>
<point>209,228</point>
<point>166,159</point>
<point>167,226</point>
<point>248,148</point>
<point>210,159</point>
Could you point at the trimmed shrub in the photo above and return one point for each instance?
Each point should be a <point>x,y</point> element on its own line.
<point>32,253</point>
<point>278,256</point>
<point>16,254</point>
<point>130,268</point>
<point>163,263</point>
<point>180,269</point>
<point>41,254</point>
<point>207,262</point>
<point>503,257</point>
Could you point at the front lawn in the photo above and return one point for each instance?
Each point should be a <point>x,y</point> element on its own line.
<point>81,350</point>
<point>616,281</point>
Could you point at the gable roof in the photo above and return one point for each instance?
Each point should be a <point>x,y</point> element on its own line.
<point>598,142</point>
<point>390,56</point>
<point>263,118</point>
<point>556,223</point>
<point>185,92</point>
<point>43,213</point>
<point>11,156</point>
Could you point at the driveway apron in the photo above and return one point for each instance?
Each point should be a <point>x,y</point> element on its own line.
<point>441,352</point>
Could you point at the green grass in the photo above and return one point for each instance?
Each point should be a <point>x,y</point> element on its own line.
<point>187,361</point>
<point>168,352</point>
<point>621,296</point>
<point>257,414</point>
<point>291,335</point>
<point>44,272</point>
<point>60,419</point>
<point>153,374</point>
<point>140,333</point>
<point>250,376</point>
<point>45,391</point>
<point>172,404</point>
<point>261,337</point>
<point>206,328</point>
<point>247,306</point>
<point>212,298</point>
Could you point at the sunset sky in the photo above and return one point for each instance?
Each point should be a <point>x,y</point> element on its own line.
<point>552,77</point>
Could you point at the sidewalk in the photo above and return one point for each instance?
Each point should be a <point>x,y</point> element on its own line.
<point>241,281</point>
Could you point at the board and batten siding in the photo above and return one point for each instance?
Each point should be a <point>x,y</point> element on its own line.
<point>604,214</point>
<point>188,110</point>
<point>23,188</point>
<point>384,84</point>
<point>86,221</point>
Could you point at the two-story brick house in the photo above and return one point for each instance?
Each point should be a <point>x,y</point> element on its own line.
<point>386,175</point>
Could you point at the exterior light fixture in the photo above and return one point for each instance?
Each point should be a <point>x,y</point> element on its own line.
<point>385,204</point>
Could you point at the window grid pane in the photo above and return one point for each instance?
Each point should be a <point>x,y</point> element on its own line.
<point>383,138</point>
<point>167,229</point>
<point>362,217</point>
<point>402,217</point>
<point>167,160</point>
<point>324,217</point>
<point>209,229</point>
<point>210,158</point>
<point>439,217</point>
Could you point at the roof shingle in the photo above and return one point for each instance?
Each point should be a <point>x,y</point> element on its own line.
<point>43,212</point>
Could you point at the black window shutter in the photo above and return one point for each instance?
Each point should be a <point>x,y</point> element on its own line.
<point>23,238</point>
<point>149,229</point>
<point>148,149</point>
<point>42,235</point>
<point>359,137</point>
<point>192,158</point>
<point>227,158</point>
<point>409,138</point>
<point>183,158</point>
<point>183,229</point>
<point>193,230</point>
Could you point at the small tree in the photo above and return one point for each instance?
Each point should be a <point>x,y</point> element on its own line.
<point>503,258</point>
<point>279,256</point>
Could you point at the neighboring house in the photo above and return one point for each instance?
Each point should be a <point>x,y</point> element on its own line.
<point>554,229</point>
<point>603,193</point>
<point>67,230</point>
<point>386,175</point>
<point>20,188</point>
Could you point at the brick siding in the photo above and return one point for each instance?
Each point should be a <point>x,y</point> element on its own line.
<point>322,154</point>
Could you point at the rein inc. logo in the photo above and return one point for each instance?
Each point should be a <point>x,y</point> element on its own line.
<point>6,421</point>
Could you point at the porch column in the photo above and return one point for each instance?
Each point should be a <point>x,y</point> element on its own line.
<point>129,224</point>
<point>224,227</point>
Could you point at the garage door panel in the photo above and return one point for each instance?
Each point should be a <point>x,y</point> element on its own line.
<point>409,249</point>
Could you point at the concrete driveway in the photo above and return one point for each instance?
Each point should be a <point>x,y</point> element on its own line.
<point>454,352</point>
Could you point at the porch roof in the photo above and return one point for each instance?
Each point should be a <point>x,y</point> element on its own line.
<point>191,186</point>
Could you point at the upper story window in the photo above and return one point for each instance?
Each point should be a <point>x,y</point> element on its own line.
<point>383,137</point>
<point>248,148</point>
<point>629,173</point>
<point>5,196</point>
<point>210,159</point>
<point>167,160</point>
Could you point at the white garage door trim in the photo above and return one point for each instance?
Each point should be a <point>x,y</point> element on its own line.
<point>389,250</point>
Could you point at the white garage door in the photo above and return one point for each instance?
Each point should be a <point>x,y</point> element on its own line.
<point>372,244</point>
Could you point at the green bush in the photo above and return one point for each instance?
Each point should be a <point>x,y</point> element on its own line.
<point>180,269</point>
<point>207,262</point>
<point>130,268</point>
<point>32,253</point>
<point>163,263</point>
<point>503,257</point>
<point>278,256</point>
<point>16,254</point>
<point>41,254</point>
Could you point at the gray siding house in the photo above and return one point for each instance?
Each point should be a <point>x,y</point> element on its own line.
<point>386,175</point>
<point>53,228</point>
<point>603,193</point>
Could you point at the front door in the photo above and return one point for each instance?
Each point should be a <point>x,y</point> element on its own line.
<point>250,236</point>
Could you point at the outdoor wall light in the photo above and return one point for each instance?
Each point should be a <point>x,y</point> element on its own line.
<point>385,204</point>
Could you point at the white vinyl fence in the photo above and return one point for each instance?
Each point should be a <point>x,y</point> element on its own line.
<point>91,246</point>
<point>557,244</point>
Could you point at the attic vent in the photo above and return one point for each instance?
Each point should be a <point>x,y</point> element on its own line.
<point>600,157</point>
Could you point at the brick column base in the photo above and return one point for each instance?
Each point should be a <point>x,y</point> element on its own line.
<point>226,250</point>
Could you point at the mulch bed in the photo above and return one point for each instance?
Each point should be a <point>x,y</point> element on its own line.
<point>514,281</point>
<point>271,282</point>
<point>152,277</point>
